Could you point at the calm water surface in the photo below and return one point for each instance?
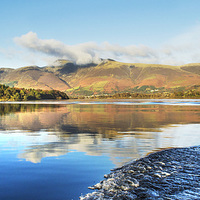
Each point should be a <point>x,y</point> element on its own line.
<point>55,150</point>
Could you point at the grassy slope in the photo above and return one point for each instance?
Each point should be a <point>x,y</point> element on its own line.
<point>34,77</point>
<point>115,76</point>
<point>107,77</point>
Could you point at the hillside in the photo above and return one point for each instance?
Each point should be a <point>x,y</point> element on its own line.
<point>32,77</point>
<point>107,77</point>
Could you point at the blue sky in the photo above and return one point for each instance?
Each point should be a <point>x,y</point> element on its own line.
<point>151,31</point>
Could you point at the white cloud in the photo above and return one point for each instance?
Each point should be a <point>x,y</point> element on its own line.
<point>80,54</point>
<point>181,49</point>
<point>184,48</point>
<point>86,52</point>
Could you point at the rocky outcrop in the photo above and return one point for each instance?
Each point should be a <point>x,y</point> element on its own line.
<point>168,174</point>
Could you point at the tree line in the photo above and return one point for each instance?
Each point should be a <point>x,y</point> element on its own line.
<point>188,94</point>
<point>21,94</point>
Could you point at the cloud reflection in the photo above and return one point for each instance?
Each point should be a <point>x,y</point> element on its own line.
<point>121,132</point>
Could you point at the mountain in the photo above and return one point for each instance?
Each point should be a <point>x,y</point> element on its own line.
<point>32,77</point>
<point>107,77</point>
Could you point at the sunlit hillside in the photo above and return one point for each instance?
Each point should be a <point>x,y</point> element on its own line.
<point>107,77</point>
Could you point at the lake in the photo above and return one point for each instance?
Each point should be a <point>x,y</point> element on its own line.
<point>54,150</point>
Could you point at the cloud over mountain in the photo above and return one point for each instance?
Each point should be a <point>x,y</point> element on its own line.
<point>86,52</point>
<point>80,54</point>
<point>181,49</point>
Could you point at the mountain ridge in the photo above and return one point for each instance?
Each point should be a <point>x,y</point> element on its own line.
<point>108,76</point>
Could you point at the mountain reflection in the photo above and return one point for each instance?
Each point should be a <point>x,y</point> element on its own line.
<point>122,132</point>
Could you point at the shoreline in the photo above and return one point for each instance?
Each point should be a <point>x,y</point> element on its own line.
<point>168,174</point>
